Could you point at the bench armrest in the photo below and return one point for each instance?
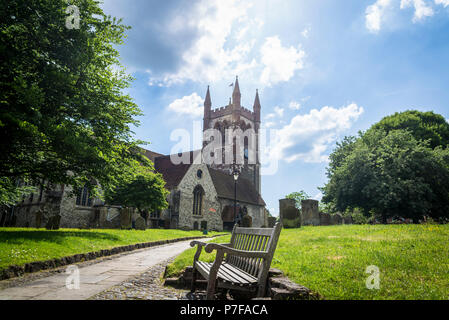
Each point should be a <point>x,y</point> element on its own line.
<point>242,253</point>
<point>199,243</point>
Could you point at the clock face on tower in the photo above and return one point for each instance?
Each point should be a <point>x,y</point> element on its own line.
<point>199,174</point>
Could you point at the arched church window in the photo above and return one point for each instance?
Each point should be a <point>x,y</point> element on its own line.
<point>198,194</point>
<point>83,197</point>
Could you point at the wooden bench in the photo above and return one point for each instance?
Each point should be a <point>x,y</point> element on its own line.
<point>242,264</point>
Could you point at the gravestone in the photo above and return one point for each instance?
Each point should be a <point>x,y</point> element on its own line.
<point>336,219</point>
<point>39,216</point>
<point>140,223</point>
<point>102,217</point>
<point>247,221</point>
<point>126,218</point>
<point>53,222</point>
<point>348,220</point>
<point>310,213</point>
<point>271,222</point>
<point>289,214</point>
<point>325,219</point>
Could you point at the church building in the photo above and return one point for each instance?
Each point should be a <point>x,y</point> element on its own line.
<point>202,194</point>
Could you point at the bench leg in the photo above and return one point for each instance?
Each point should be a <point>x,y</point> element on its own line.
<point>194,277</point>
<point>211,284</point>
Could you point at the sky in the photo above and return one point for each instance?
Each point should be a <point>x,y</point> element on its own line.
<point>324,69</point>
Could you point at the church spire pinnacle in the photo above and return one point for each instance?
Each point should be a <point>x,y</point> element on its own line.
<point>207,110</point>
<point>257,107</point>
<point>236,96</point>
<point>207,100</point>
<point>256,101</point>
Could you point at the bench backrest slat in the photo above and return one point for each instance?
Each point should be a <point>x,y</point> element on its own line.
<point>254,239</point>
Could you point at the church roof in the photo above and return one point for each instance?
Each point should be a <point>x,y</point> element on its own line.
<point>151,154</point>
<point>172,173</point>
<point>224,184</point>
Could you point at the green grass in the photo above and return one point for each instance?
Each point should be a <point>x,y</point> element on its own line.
<point>413,260</point>
<point>22,245</point>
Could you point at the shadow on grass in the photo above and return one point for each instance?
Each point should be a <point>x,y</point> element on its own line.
<point>57,236</point>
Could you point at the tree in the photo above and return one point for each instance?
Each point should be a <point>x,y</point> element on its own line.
<point>298,197</point>
<point>63,114</point>
<point>422,125</point>
<point>144,191</point>
<point>391,174</point>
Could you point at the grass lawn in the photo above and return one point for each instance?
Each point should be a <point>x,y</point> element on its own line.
<point>413,260</point>
<point>22,245</point>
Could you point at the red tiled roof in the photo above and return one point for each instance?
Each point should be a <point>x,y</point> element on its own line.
<point>224,183</point>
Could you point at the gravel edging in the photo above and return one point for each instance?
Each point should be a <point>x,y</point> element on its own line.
<point>147,285</point>
<point>32,267</point>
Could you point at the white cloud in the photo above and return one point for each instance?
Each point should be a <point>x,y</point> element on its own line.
<point>306,32</point>
<point>280,63</point>
<point>375,14</point>
<point>269,124</point>
<point>294,105</point>
<point>279,111</point>
<point>213,56</point>
<point>308,137</point>
<point>188,105</point>
<point>422,10</point>
<point>445,3</point>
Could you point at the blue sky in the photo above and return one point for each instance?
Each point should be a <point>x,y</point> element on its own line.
<point>324,69</point>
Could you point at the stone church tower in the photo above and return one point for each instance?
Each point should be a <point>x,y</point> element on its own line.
<point>231,117</point>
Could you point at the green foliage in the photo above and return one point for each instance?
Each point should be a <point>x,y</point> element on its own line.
<point>413,260</point>
<point>388,173</point>
<point>63,112</point>
<point>298,197</point>
<point>10,194</point>
<point>423,126</point>
<point>144,191</point>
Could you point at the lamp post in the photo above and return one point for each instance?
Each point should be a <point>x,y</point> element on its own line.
<point>235,174</point>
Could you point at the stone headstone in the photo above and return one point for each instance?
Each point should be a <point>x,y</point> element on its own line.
<point>289,214</point>
<point>247,221</point>
<point>140,223</point>
<point>271,222</point>
<point>336,219</point>
<point>348,220</point>
<point>310,213</point>
<point>102,217</point>
<point>325,219</point>
<point>126,218</point>
<point>39,216</point>
<point>53,222</point>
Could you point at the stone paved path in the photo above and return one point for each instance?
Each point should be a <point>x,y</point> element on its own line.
<point>97,277</point>
<point>145,286</point>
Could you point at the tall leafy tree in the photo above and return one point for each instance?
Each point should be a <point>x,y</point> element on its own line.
<point>422,125</point>
<point>391,174</point>
<point>298,196</point>
<point>143,190</point>
<point>64,116</point>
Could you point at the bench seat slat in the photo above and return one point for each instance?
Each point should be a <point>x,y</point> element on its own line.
<point>228,273</point>
<point>240,273</point>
